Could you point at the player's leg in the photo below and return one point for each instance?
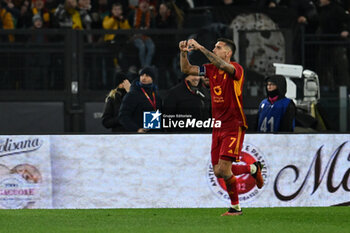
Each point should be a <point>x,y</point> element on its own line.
<point>233,144</point>
<point>215,149</point>
<point>230,150</point>
<point>241,169</point>
<point>252,169</point>
<point>257,175</point>
<point>223,170</point>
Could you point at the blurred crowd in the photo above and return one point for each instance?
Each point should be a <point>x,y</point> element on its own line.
<point>45,71</point>
<point>98,14</point>
<point>87,14</point>
<point>315,16</point>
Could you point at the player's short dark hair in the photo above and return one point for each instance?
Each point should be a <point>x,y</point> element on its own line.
<point>229,43</point>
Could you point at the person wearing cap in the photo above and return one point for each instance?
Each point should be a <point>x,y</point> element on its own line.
<point>37,21</point>
<point>112,104</point>
<point>143,97</point>
<point>189,98</point>
<point>276,112</point>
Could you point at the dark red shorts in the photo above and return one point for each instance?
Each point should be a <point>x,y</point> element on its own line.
<point>227,145</point>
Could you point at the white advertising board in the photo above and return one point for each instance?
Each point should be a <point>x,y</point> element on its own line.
<point>25,172</point>
<point>166,171</point>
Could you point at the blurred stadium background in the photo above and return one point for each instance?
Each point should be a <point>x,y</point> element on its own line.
<point>50,90</point>
<point>59,86</point>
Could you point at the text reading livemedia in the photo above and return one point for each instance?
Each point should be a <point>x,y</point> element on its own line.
<point>157,120</point>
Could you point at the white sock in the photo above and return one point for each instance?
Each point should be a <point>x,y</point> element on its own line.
<point>236,207</point>
<point>253,169</point>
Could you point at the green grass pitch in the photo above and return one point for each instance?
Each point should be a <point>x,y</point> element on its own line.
<point>196,220</point>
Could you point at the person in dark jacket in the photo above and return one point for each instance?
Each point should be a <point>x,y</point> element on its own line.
<point>305,9</point>
<point>112,104</point>
<point>143,97</point>
<point>189,98</point>
<point>332,60</point>
<point>276,112</point>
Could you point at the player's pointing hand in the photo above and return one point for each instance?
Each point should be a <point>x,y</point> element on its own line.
<point>183,46</point>
<point>193,45</point>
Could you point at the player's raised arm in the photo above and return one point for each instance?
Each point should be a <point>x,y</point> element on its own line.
<point>221,63</point>
<point>185,65</point>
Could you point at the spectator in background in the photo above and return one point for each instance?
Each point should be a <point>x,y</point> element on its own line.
<point>6,78</point>
<point>125,3</point>
<point>143,18</point>
<point>307,20</point>
<point>276,112</point>
<point>99,12</point>
<point>190,97</point>
<point>37,64</point>
<point>38,8</point>
<point>333,61</point>
<point>24,9</point>
<point>38,23</point>
<point>143,96</point>
<point>52,5</point>
<point>169,15</point>
<point>112,104</point>
<point>165,18</point>
<point>67,16</point>
<point>133,4</point>
<point>11,8</point>
<point>305,9</point>
<point>84,7</point>
<point>115,21</point>
<point>6,21</point>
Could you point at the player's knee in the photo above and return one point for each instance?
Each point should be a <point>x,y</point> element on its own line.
<point>216,173</point>
<point>220,172</point>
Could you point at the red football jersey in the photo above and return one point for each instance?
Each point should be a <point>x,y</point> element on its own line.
<point>226,96</point>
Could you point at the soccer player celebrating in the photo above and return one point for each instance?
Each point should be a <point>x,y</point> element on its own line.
<point>226,83</point>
